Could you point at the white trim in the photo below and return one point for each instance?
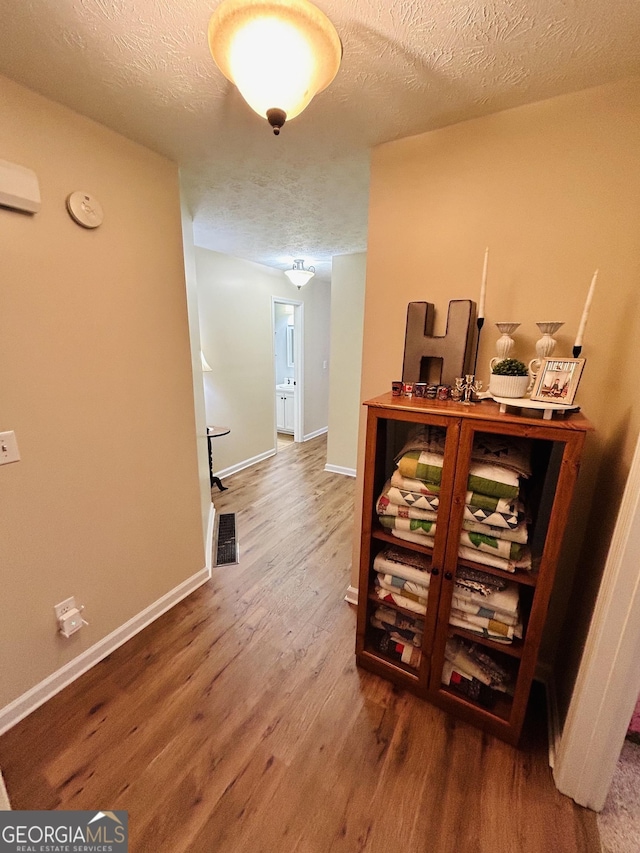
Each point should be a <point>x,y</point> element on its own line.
<point>608,681</point>
<point>247,463</point>
<point>5,805</point>
<point>338,469</point>
<point>316,433</point>
<point>352,595</point>
<point>54,683</point>
<point>208,545</point>
<point>298,370</point>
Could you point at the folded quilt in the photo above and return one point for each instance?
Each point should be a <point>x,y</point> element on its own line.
<point>504,600</point>
<point>517,534</point>
<point>480,583</point>
<point>484,478</point>
<point>490,545</point>
<point>478,663</point>
<point>395,619</point>
<point>385,506</point>
<point>417,538</point>
<point>467,685</point>
<point>397,634</point>
<point>410,484</point>
<point>486,559</point>
<point>404,652</point>
<point>473,609</point>
<point>409,525</point>
<point>489,628</point>
<point>507,452</point>
<point>420,532</point>
<point>403,564</point>
<point>508,520</point>
<point>409,588</point>
<point>415,500</point>
<point>400,600</point>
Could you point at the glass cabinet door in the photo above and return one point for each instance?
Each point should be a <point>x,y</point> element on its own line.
<point>407,491</point>
<point>505,527</point>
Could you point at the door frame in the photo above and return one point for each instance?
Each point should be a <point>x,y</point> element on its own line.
<point>298,365</point>
<point>608,682</point>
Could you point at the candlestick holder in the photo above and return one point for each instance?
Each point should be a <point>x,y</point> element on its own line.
<point>544,347</point>
<point>467,386</point>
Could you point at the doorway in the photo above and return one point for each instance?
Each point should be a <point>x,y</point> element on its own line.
<point>288,371</point>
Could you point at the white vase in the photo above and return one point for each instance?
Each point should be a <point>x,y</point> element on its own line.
<point>508,386</point>
<point>505,343</point>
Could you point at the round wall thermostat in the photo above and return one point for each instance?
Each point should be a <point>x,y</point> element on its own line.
<point>84,209</point>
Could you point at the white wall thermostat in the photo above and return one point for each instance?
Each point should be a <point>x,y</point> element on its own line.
<point>84,209</point>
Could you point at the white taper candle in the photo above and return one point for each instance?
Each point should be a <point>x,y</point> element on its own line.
<point>483,286</point>
<point>585,312</point>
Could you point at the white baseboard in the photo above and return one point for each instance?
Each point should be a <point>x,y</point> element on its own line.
<point>338,469</point>
<point>240,466</point>
<point>315,434</point>
<point>54,683</point>
<point>352,595</point>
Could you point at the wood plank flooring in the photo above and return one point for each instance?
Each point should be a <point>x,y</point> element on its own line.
<point>239,722</point>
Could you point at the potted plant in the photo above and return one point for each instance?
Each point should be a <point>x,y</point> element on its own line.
<point>509,378</point>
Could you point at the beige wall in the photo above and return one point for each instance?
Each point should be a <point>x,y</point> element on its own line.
<point>96,383</point>
<point>347,317</point>
<point>235,305</point>
<point>554,190</point>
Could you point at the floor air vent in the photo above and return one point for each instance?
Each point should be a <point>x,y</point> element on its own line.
<point>226,548</point>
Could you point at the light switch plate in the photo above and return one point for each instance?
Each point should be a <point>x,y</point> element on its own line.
<point>8,448</point>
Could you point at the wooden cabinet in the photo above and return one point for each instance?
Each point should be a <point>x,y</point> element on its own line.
<point>284,411</point>
<point>427,663</point>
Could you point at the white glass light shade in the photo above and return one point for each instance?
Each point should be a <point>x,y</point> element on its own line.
<point>299,275</point>
<point>205,363</point>
<point>279,53</point>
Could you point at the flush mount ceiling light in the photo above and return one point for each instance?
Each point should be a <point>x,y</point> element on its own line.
<point>279,53</point>
<point>299,275</point>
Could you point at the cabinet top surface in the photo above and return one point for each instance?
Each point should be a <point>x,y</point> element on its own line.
<point>485,410</point>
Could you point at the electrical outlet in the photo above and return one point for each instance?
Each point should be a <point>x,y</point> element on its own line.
<point>65,606</point>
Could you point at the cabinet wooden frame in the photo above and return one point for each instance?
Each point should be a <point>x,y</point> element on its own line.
<point>559,444</point>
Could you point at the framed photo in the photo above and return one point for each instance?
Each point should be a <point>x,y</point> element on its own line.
<point>557,380</point>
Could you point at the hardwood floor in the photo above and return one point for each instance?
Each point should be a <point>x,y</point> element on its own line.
<point>239,722</point>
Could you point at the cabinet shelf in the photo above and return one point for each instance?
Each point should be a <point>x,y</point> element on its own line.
<point>554,449</point>
<point>513,649</point>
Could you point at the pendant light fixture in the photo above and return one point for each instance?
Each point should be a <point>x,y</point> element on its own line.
<point>299,275</point>
<point>279,53</point>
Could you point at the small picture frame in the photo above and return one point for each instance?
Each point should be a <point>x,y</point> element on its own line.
<point>557,380</point>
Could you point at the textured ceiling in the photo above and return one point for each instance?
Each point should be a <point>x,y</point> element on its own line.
<point>142,67</point>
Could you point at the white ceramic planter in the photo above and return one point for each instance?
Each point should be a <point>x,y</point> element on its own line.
<point>508,386</point>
